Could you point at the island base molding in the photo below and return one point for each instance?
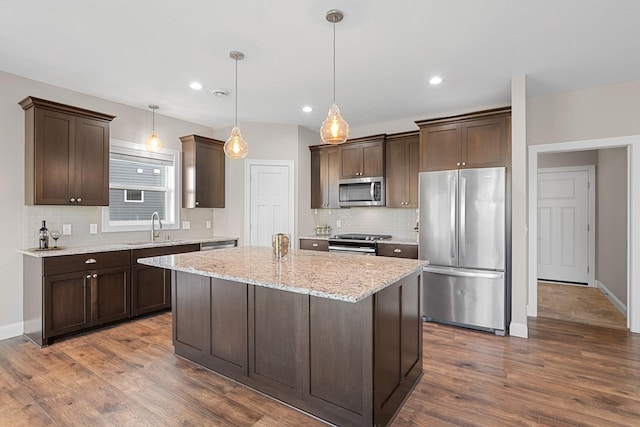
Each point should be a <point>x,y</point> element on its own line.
<point>352,364</point>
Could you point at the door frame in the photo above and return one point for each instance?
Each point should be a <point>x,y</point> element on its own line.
<point>248,164</point>
<point>591,256</point>
<point>632,144</point>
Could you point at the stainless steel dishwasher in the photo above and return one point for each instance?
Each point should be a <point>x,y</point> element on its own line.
<point>220,244</point>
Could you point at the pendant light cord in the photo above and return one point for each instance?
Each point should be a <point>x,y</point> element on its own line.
<point>334,62</point>
<point>236,120</point>
<point>153,120</point>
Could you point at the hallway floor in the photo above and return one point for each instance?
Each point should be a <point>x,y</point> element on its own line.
<point>580,304</point>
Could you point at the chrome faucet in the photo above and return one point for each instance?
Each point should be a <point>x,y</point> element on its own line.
<point>155,233</point>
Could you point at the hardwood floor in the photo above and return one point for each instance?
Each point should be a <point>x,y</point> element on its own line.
<point>579,304</point>
<point>565,374</point>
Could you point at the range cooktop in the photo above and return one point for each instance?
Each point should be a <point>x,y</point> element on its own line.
<point>356,236</point>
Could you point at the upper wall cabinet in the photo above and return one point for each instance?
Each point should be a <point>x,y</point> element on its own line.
<point>66,154</point>
<point>402,162</point>
<point>325,164</point>
<point>203,172</point>
<point>362,157</point>
<point>475,140</point>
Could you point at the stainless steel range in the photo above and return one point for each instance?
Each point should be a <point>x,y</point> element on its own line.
<point>358,244</point>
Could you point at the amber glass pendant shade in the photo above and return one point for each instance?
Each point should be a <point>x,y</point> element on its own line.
<point>153,143</point>
<point>235,147</point>
<point>335,129</point>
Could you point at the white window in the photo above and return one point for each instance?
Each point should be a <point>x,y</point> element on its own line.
<point>141,183</point>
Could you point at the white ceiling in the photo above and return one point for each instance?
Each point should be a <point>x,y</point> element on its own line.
<point>147,52</point>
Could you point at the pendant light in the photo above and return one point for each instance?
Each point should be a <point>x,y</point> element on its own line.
<point>236,147</point>
<point>335,129</point>
<point>153,143</point>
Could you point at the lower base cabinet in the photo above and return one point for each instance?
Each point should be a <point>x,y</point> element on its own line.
<point>352,364</point>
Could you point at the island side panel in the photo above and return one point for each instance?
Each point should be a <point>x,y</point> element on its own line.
<point>277,334</point>
<point>229,350</point>
<point>340,374</point>
<point>398,345</point>
<point>32,292</point>
<point>191,306</point>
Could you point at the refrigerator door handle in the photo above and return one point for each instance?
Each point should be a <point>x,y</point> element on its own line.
<point>452,197</point>
<point>464,273</point>
<point>463,221</point>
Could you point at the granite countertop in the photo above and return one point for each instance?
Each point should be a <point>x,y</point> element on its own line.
<point>349,278</point>
<point>74,250</point>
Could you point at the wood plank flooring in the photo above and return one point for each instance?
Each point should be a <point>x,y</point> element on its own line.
<point>580,304</point>
<point>565,374</point>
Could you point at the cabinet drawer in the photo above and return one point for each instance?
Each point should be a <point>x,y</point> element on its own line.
<point>398,250</point>
<point>314,245</point>
<point>84,262</point>
<point>161,251</point>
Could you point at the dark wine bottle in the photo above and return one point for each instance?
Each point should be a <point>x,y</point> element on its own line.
<point>44,236</point>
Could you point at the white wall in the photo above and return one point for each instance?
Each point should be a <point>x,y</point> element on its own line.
<point>571,158</point>
<point>611,221</point>
<point>18,222</point>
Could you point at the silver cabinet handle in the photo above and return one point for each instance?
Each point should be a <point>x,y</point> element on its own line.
<point>315,245</point>
<point>72,200</point>
<point>88,276</point>
<point>90,261</point>
<point>397,250</point>
<point>464,163</point>
<point>95,275</point>
<point>458,164</point>
<point>197,203</point>
<point>79,199</point>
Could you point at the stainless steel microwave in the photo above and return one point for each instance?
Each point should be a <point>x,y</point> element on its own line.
<point>361,192</point>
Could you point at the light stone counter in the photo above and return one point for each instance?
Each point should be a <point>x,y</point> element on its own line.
<point>349,278</point>
<point>75,250</point>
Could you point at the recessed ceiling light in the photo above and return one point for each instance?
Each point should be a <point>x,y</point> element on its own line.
<point>307,109</point>
<point>435,80</point>
<point>195,85</point>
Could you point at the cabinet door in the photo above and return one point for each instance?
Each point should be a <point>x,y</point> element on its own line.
<point>91,180</point>
<point>372,159</point>
<point>150,289</point>
<point>209,176</point>
<point>110,295</point>
<point>325,172</point>
<point>350,161</point>
<point>66,303</point>
<point>440,147</point>
<point>413,150</point>
<point>484,143</point>
<point>333,175</point>
<point>396,174</point>
<point>317,195</point>
<point>55,135</point>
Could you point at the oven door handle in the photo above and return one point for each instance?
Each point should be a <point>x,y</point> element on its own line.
<point>351,249</point>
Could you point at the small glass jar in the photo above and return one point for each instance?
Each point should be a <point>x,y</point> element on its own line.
<point>280,243</point>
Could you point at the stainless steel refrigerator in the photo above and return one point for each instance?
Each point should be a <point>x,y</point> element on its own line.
<point>463,235</point>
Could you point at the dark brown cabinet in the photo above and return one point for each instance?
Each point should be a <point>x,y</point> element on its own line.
<point>397,250</point>
<point>403,167</point>
<point>203,172</point>
<point>475,140</point>
<point>314,245</point>
<point>151,286</point>
<point>74,292</point>
<point>325,172</point>
<point>362,157</point>
<point>66,154</point>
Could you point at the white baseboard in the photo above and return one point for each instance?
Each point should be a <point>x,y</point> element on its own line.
<point>518,330</point>
<point>622,308</point>
<point>11,330</point>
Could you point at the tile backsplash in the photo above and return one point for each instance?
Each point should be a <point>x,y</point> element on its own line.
<point>398,222</point>
<point>80,218</point>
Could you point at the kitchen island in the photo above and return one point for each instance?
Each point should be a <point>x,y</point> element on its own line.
<point>338,336</point>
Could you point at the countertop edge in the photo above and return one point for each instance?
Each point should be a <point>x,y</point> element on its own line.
<point>113,247</point>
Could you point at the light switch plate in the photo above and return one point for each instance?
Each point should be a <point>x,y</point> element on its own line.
<point>208,224</point>
<point>66,229</point>
<point>93,228</point>
<point>186,225</point>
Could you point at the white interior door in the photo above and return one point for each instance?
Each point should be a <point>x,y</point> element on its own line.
<point>563,226</point>
<point>270,201</point>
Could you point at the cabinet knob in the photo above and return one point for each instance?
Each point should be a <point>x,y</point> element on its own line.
<point>94,275</point>
<point>315,245</point>
<point>79,200</point>
<point>72,200</point>
<point>90,261</point>
<point>458,164</point>
<point>464,163</point>
<point>397,250</point>
<point>88,276</point>
<point>197,203</point>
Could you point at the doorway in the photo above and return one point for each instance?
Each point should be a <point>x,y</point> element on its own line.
<point>631,146</point>
<point>269,200</point>
<point>566,225</point>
